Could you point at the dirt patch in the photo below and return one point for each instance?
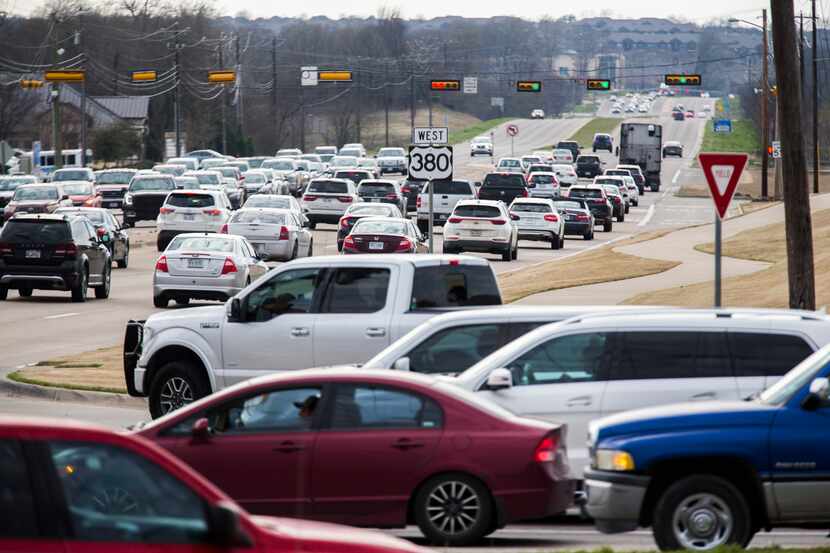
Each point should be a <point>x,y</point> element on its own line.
<point>593,267</point>
<point>99,371</point>
<point>766,288</point>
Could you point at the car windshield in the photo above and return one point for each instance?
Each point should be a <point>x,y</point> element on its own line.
<point>78,188</point>
<point>451,187</point>
<point>328,187</point>
<point>325,150</point>
<point>585,193</point>
<point>798,377</point>
<point>481,140</point>
<point>345,161</point>
<point>376,188</point>
<point>583,160</point>
<point>227,172</point>
<point>141,185</point>
<point>69,174</point>
<point>97,217</point>
<point>258,217</point>
<point>562,153</point>
<point>279,165</point>
<point>379,227</point>
<point>568,205</point>
<point>531,208</point>
<point>27,194</point>
<point>190,199</point>
<point>266,201</point>
<point>391,152</point>
<point>114,177</point>
<point>351,153</point>
<point>371,210</point>
<point>208,179</point>
<point>510,163</point>
<point>472,210</point>
<point>201,244</point>
<point>7,184</point>
<point>35,231</point>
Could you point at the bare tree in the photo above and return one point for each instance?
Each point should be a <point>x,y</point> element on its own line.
<point>15,104</point>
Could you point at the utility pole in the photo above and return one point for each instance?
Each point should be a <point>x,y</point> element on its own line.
<point>357,100</point>
<point>239,112</point>
<point>78,35</point>
<point>797,216</point>
<point>224,102</point>
<point>274,82</point>
<point>386,101</point>
<point>764,112</point>
<point>177,95</point>
<point>56,125</point>
<point>815,105</point>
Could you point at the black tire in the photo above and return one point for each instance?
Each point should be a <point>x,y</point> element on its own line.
<point>588,235</point>
<point>79,290</point>
<point>182,301</point>
<point>507,254</point>
<point>4,293</point>
<point>621,217</point>
<point>562,241</point>
<point>103,292</point>
<point>294,251</point>
<point>164,396</point>
<point>465,488</point>
<point>160,245</point>
<point>515,254</point>
<point>555,242</point>
<point>608,226</point>
<point>448,250</point>
<point>726,500</point>
<point>25,291</point>
<point>310,248</point>
<point>627,209</point>
<point>161,301</point>
<point>312,225</point>
<point>123,263</point>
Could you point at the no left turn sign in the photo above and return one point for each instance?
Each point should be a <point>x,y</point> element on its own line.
<point>512,130</point>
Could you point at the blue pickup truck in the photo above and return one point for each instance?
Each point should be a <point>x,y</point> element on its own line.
<point>712,473</point>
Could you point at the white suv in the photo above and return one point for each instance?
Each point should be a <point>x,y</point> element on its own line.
<point>543,185</point>
<point>538,219</point>
<point>565,174</point>
<point>481,226</point>
<point>593,366</point>
<point>191,211</point>
<point>446,194</point>
<point>326,200</point>
<point>481,145</point>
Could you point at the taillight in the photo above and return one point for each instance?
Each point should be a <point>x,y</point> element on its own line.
<point>454,220</point>
<point>214,212</point>
<point>161,264</point>
<point>166,210</point>
<point>582,218</point>
<point>498,221</point>
<point>309,198</point>
<point>283,233</point>
<point>406,189</point>
<point>404,245</point>
<point>101,231</point>
<point>391,196</point>
<point>69,250</point>
<point>524,192</point>
<point>345,199</point>
<point>551,217</point>
<point>5,248</point>
<point>348,243</point>
<point>229,266</point>
<point>545,451</point>
<point>345,222</point>
<point>616,199</point>
<point>224,229</point>
<point>418,202</point>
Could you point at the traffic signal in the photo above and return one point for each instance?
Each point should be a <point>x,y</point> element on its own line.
<point>599,84</point>
<point>30,83</point>
<point>683,80</point>
<point>529,86</point>
<point>451,85</point>
<point>146,76</point>
<point>225,76</point>
<point>335,76</point>
<point>73,76</point>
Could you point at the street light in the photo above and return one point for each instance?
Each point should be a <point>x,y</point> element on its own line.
<point>734,20</point>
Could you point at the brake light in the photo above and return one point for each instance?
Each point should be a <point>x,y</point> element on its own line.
<point>101,231</point>
<point>454,220</point>
<point>498,221</point>
<point>404,245</point>
<point>406,189</point>
<point>345,199</point>
<point>391,196</point>
<point>545,451</point>
<point>215,212</point>
<point>229,266</point>
<point>283,233</point>
<point>5,248</point>
<point>166,210</point>
<point>309,198</point>
<point>616,199</point>
<point>524,192</point>
<point>551,217</point>
<point>418,202</point>
<point>582,218</point>
<point>224,229</point>
<point>69,250</point>
<point>348,243</point>
<point>161,264</point>
<point>345,222</point>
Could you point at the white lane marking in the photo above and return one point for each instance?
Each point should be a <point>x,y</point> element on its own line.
<point>676,176</point>
<point>61,316</point>
<point>648,216</point>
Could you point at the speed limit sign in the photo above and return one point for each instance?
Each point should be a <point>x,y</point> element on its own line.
<point>430,162</point>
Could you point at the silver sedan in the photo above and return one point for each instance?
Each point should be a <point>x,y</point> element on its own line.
<point>205,266</point>
<point>275,234</point>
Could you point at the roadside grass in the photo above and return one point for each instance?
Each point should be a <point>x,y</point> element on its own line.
<point>585,135</point>
<point>743,138</point>
<point>593,267</point>
<point>100,370</point>
<point>585,108</point>
<point>483,127</point>
<point>766,288</point>
<point>373,131</point>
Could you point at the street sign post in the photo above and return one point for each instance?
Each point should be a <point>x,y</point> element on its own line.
<point>512,131</point>
<point>776,149</point>
<point>470,85</point>
<point>426,136</point>
<point>722,172</point>
<point>430,163</point>
<point>723,125</point>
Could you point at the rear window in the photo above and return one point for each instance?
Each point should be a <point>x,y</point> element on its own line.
<point>328,187</point>
<point>587,160</point>
<point>763,354</point>
<point>258,217</point>
<point>381,210</point>
<point>454,286</point>
<point>376,187</point>
<point>542,179</point>
<point>78,188</point>
<point>618,172</point>
<point>354,176</point>
<point>614,182</point>
<point>503,181</point>
<point>569,205</point>
<point>208,179</point>
<point>255,178</point>
<point>201,244</point>
<point>97,217</point>
<point>452,187</point>
<point>190,200</point>
<point>379,227</point>
<point>567,145</point>
<point>472,210</point>
<point>531,208</point>
<point>229,172</point>
<point>25,194</point>
<point>114,177</point>
<point>264,201</point>
<point>141,185</point>
<point>42,231</point>
<point>70,175</point>
<point>391,152</point>
<point>586,193</point>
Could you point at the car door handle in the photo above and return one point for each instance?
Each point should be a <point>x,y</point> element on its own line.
<point>375,332</point>
<point>704,395</point>
<point>405,443</point>
<point>581,401</point>
<point>289,447</point>
<point>299,332</point>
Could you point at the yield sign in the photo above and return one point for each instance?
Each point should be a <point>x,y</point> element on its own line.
<point>722,171</point>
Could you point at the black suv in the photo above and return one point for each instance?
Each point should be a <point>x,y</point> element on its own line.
<point>588,166</point>
<point>503,186</point>
<point>596,200</point>
<point>53,252</point>
<point>569,145</point>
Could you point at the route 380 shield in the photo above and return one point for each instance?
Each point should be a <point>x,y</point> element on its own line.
<point>430,162</point>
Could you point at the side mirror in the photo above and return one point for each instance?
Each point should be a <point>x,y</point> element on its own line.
<point>401,364</point>
<point>224,528</point>
<point>819,393</point>
<point>514,217</point>
<point>64,197</point>
<point>235,310</point>
<point>500,379</point>
<point>477,184</point>
<point>201,429</point>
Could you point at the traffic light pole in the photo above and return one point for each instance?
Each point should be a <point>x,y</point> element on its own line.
<point>56,126</point>
<point>764,110</point>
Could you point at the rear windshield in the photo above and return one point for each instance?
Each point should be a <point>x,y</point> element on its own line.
<point>567,145</point>
<point>612,189</point>
<point>36,231</point>
<point>586,193</point>
<point>259,217</point>
<point>370,209</point>
<point>391,152</point>
<point>97,217</point>
<point>190,200</point>
<point>587,160</point>
<point>114,177</point>
<point>510,163</point>
<point>279,165</point>
<point>379,227</point>
<point>70,175</point>
<point>351,153</point>
<point>229,172</point>
<point>375,187</point>
<point>618,172</point>
<point>264,201</point>
<point>78,188</point>
<point>504,181</point>
<point>140,185</point>
<point>255,178</point>
<point>345,161</point>
<point>542,179</point>
<point>569,205</point>
<point>12,183</point>
<point>452,187</point>
<point>326,150</point>
<point>454,286</point>
<point>187,182</point>
<point>601,180</point>
<point>208,179</point>
<point>531,208</point>
<point>477,211</point>
<point>25,194</point>
<point>328,187</point>
<point>354,176</point>
<point>201,244</point>
<point>539,168</point>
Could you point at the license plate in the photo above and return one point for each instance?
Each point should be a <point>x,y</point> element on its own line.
<point>111,204</point>
<point>568,217</point>
<point>375,245</point>
<point>195,263</point>
<point>375,200</point>
<point>32,254</point>
<point>442,217</point>
<point>328,200</point>
<point>189,217</point>
<point>475,233</point>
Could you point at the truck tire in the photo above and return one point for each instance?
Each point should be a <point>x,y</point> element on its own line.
<point>445,490</point>
<point>176,384</point>
<point>721,515</point>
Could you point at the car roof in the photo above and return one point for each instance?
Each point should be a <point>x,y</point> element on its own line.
<point>679,317</point>
<point>473,201</point>
<point>42,184</point>
<point>518,313</point>
<point>41,217</point>
<point>418,260</point>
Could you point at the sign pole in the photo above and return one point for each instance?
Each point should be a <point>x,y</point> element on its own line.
<point>511,146</point>
<point>431,217</point>
<point>718,241</point>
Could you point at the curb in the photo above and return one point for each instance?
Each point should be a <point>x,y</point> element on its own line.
<point>12,388</point>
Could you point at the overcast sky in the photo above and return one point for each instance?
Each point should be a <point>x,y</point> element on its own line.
<point>699,10</point>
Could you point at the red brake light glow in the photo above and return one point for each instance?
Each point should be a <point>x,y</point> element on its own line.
<point>309,198</point>
<point>552,218</point>
<point>5,248</point>
<point>229,266</point>
<point>498,221</point>
<point>348,243</point>
<point>404,245</point>
<point>69,250</point>
<point>345,222</point>
<point>545,451</point>
<point>166,210</point>
<point>418,202</point>
<point>345,199</point>
<point>454,220</point>
<point>283,233</point>
<point>391,196</point>
<point>161,265</point>
<point>215,212</point>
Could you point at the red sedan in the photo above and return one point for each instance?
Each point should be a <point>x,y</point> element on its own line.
<point>82,194</point>
<point>372,448</point>
<point>73,488</point>
<point>384,235</point>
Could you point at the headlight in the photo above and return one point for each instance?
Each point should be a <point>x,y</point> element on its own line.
<point>612,459</point>
<point>128,199</point>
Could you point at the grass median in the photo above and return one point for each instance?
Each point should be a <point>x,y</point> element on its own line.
<point>484,127</point>
<point>585,135</point>
<point>100,370</point>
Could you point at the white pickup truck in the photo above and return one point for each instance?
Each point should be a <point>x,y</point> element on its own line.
<point>312,312</point>
<point>447,193</point>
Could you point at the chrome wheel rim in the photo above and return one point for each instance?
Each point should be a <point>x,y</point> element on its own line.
<point>702,521</point>
<point>175,394</point>
<point>453,507</point>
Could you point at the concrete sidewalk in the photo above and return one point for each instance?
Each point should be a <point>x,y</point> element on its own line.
<point>679,246</point>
